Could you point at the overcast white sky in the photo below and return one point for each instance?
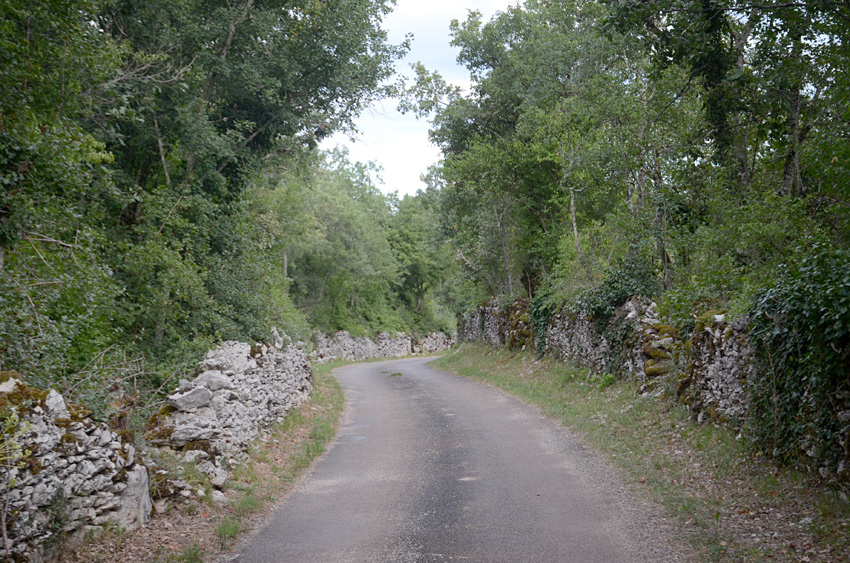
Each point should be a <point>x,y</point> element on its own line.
<point>399,143</point>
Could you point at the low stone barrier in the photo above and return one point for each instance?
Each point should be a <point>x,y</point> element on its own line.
<point>721,363</point>
<point>711,369</point>
<point>61,472</point>
<point>239,389</point>
<point>343,346</point>
<point>433,342</point>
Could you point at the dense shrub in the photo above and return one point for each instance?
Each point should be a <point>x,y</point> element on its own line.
<point>800,403</point>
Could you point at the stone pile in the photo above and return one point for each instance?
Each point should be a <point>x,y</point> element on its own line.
<point>71,474</point>
<point>238,390</point>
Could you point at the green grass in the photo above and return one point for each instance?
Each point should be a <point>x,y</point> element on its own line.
<point>190,554</point>
<point>705,476</point>
<point>228,530</point>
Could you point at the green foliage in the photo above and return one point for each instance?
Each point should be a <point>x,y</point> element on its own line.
<point>801,333</point>
<point>632,277</point>
<point>227,530</point>
<point>12,455</point>
<point>540,311</point>
<point>137,145</point>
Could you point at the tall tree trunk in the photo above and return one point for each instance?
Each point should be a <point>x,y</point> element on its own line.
<point>792,181</point>
<point>161,147</point>
<point>575,225</point>
<point>503,228</point>
<point>564,169</point>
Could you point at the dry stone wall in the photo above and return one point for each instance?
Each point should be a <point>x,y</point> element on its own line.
<point>720,365</point>
<point>469,326</point>
<point>64,474</point>
<point>493,324</point>
<point>571,337</point>
<point>237,391</point>
<point>711,371</point>
<point>343,346</point>
<point>69,474</point>
<point>434,342</point>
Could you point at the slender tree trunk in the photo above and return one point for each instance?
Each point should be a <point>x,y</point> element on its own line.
<point>792,182</point>
<point>161,151</point>
<point>503,227</point>
<point>575,224</point>
<point>661,219</point>
<point>564,168</point>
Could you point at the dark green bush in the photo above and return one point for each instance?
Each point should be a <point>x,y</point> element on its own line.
<point>540,311</point>
<point>800,399</point>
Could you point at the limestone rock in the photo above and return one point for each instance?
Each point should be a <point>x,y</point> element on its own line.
<point>190,400</point>
<point>213,380</point>
<point>230,356</point>
<point>55,405</point>
<point>135,506</point>
<point>238,391</point>
<point>343,346</point>
<point>10,385</point>
<point>79,460</point>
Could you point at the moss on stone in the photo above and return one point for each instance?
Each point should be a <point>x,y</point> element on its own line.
<point>156,428</point>
<point>10,374</point>
<point>667,330</point>
<point>202,445</point>
<point>655,353</point>
<point>33,465</point>
<point>158,419</point>
<point>23,396</point>
<point>78,412</point>
<point>69,442</point>
<point>63,422</point>
<point>126,436</point>
<point>655,368</point>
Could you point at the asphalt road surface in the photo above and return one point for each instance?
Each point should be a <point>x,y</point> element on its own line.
<point>431,467</point>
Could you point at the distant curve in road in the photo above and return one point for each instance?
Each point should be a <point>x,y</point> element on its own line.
<point>431,467</point>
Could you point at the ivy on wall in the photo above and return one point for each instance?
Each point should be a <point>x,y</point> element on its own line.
<point>800,402</point>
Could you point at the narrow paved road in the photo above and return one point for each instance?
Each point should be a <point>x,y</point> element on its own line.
<point>433,467</point>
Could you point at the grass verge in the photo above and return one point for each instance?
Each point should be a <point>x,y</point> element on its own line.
<point>279,457</point>
<point>733,504</point>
